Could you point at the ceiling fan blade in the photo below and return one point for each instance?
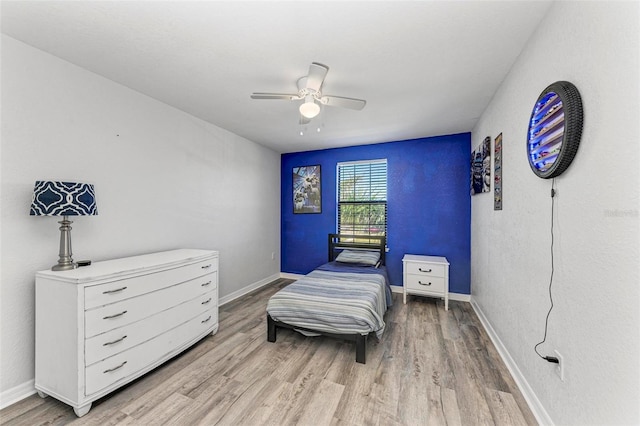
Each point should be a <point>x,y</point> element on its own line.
<point>339,101</point>
<point>317,73</point>
<point>275,96</point>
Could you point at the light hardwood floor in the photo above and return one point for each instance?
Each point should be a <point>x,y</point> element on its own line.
<point>431,367</point>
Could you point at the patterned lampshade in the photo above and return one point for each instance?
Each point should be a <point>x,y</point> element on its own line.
<point>52,198</point>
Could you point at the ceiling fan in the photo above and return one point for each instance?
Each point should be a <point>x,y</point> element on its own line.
<point>310,89</point>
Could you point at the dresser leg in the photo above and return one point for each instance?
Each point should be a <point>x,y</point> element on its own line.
<point>81,411</point>
<point>215,330</point>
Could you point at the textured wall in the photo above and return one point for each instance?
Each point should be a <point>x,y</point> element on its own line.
<point>163,180</point>
<point>428,204</point>
<point>595,323</point>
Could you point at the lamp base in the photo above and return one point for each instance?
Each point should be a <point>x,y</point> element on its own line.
<point>64,266</point>
<point>65,262</point>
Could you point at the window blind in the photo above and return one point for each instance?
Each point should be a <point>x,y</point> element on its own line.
<point>362,198</point>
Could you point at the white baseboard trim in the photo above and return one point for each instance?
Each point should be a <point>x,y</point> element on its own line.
<point>290,276</point>
<point>534,403</point>
<point>17,393</point>
<point>248,289</point>
<point>460,297</point>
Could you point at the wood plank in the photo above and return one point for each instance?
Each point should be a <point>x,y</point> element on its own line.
<point>469,390</point>
<point>267,403</point>
<point>322,404</point>
<point>504,408</point>
<point>450,407</point>
<point>211,404</point>
<point>166,409</point>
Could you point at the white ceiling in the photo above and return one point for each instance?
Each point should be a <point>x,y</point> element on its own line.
<point>426,68</point>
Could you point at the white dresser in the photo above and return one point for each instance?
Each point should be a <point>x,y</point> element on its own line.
<point>426,276</point>
<point>100,326</point>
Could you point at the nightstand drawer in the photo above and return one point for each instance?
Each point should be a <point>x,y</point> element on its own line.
<point>425,283</point>
<point>425,269</point>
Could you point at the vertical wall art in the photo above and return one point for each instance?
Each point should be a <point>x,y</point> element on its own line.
<point>307,197</point>
<point>497,176</point>
<point>481,167</point>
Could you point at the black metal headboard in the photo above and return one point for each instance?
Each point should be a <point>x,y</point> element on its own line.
<point>339,242</point>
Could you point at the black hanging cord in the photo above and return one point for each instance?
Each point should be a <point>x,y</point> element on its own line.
<point>546,322</point>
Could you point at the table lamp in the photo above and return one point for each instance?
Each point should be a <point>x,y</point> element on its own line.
<point>51,198</point>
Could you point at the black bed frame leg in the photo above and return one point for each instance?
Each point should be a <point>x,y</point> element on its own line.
<point>271,329</point>
<point>361,349</point>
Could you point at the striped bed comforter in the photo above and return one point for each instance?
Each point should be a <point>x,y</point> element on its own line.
<point>333,302</point>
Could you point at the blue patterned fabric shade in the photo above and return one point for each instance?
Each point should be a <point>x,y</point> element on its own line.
<point>63,199</point>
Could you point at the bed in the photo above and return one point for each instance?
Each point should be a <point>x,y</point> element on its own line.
<point>345,298</point>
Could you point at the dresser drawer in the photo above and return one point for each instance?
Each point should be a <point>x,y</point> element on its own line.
<point>115,341</point>
<point>115,315</point>
<point>430,269</point>
<point>425,283</point>
<point>115,291</point>
<point>116,368</point>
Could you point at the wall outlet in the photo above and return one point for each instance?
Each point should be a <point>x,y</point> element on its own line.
<point>273,255</point>
<point>560,365</point>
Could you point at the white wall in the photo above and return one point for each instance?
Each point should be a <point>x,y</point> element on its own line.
<point>595,323</point>
<point>163,180</point>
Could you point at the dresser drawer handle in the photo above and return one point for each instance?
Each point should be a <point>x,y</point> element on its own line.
<point>206,284</point>
<point>423,270</point>
<point>206,301</point>
<point>207,320</point>
<point>115,290</point>
<point>114,368</point>
<point>421,283</point>
<point>115,315</point>
<point>206,266</point>
<point>115,341</point>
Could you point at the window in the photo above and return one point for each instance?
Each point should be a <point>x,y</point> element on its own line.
<point>362,198</point>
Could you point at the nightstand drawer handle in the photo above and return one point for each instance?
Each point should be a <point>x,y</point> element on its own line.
<point>205,284</point>
<point>115,315</point>
<point>115,290</point>
<point>115,341</point>
<point>206,301</point>
<point>423,270</point>
<point>114,368</point>
<point>207,320</point>
<point>421,283</point>
<point>206,266</point>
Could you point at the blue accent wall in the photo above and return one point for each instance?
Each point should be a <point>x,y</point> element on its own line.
<point>428,205</point>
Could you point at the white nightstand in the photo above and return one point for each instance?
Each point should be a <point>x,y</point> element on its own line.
<point>426,276</point>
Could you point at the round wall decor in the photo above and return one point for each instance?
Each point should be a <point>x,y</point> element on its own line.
<point>555,128</point>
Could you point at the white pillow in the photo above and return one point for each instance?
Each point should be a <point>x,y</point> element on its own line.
<point>362,257</point>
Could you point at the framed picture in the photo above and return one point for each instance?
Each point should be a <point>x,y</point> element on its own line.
<point>307,194</point>
<point>481,167</point>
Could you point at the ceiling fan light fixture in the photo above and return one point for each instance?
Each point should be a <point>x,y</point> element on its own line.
<point>309,108</point>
